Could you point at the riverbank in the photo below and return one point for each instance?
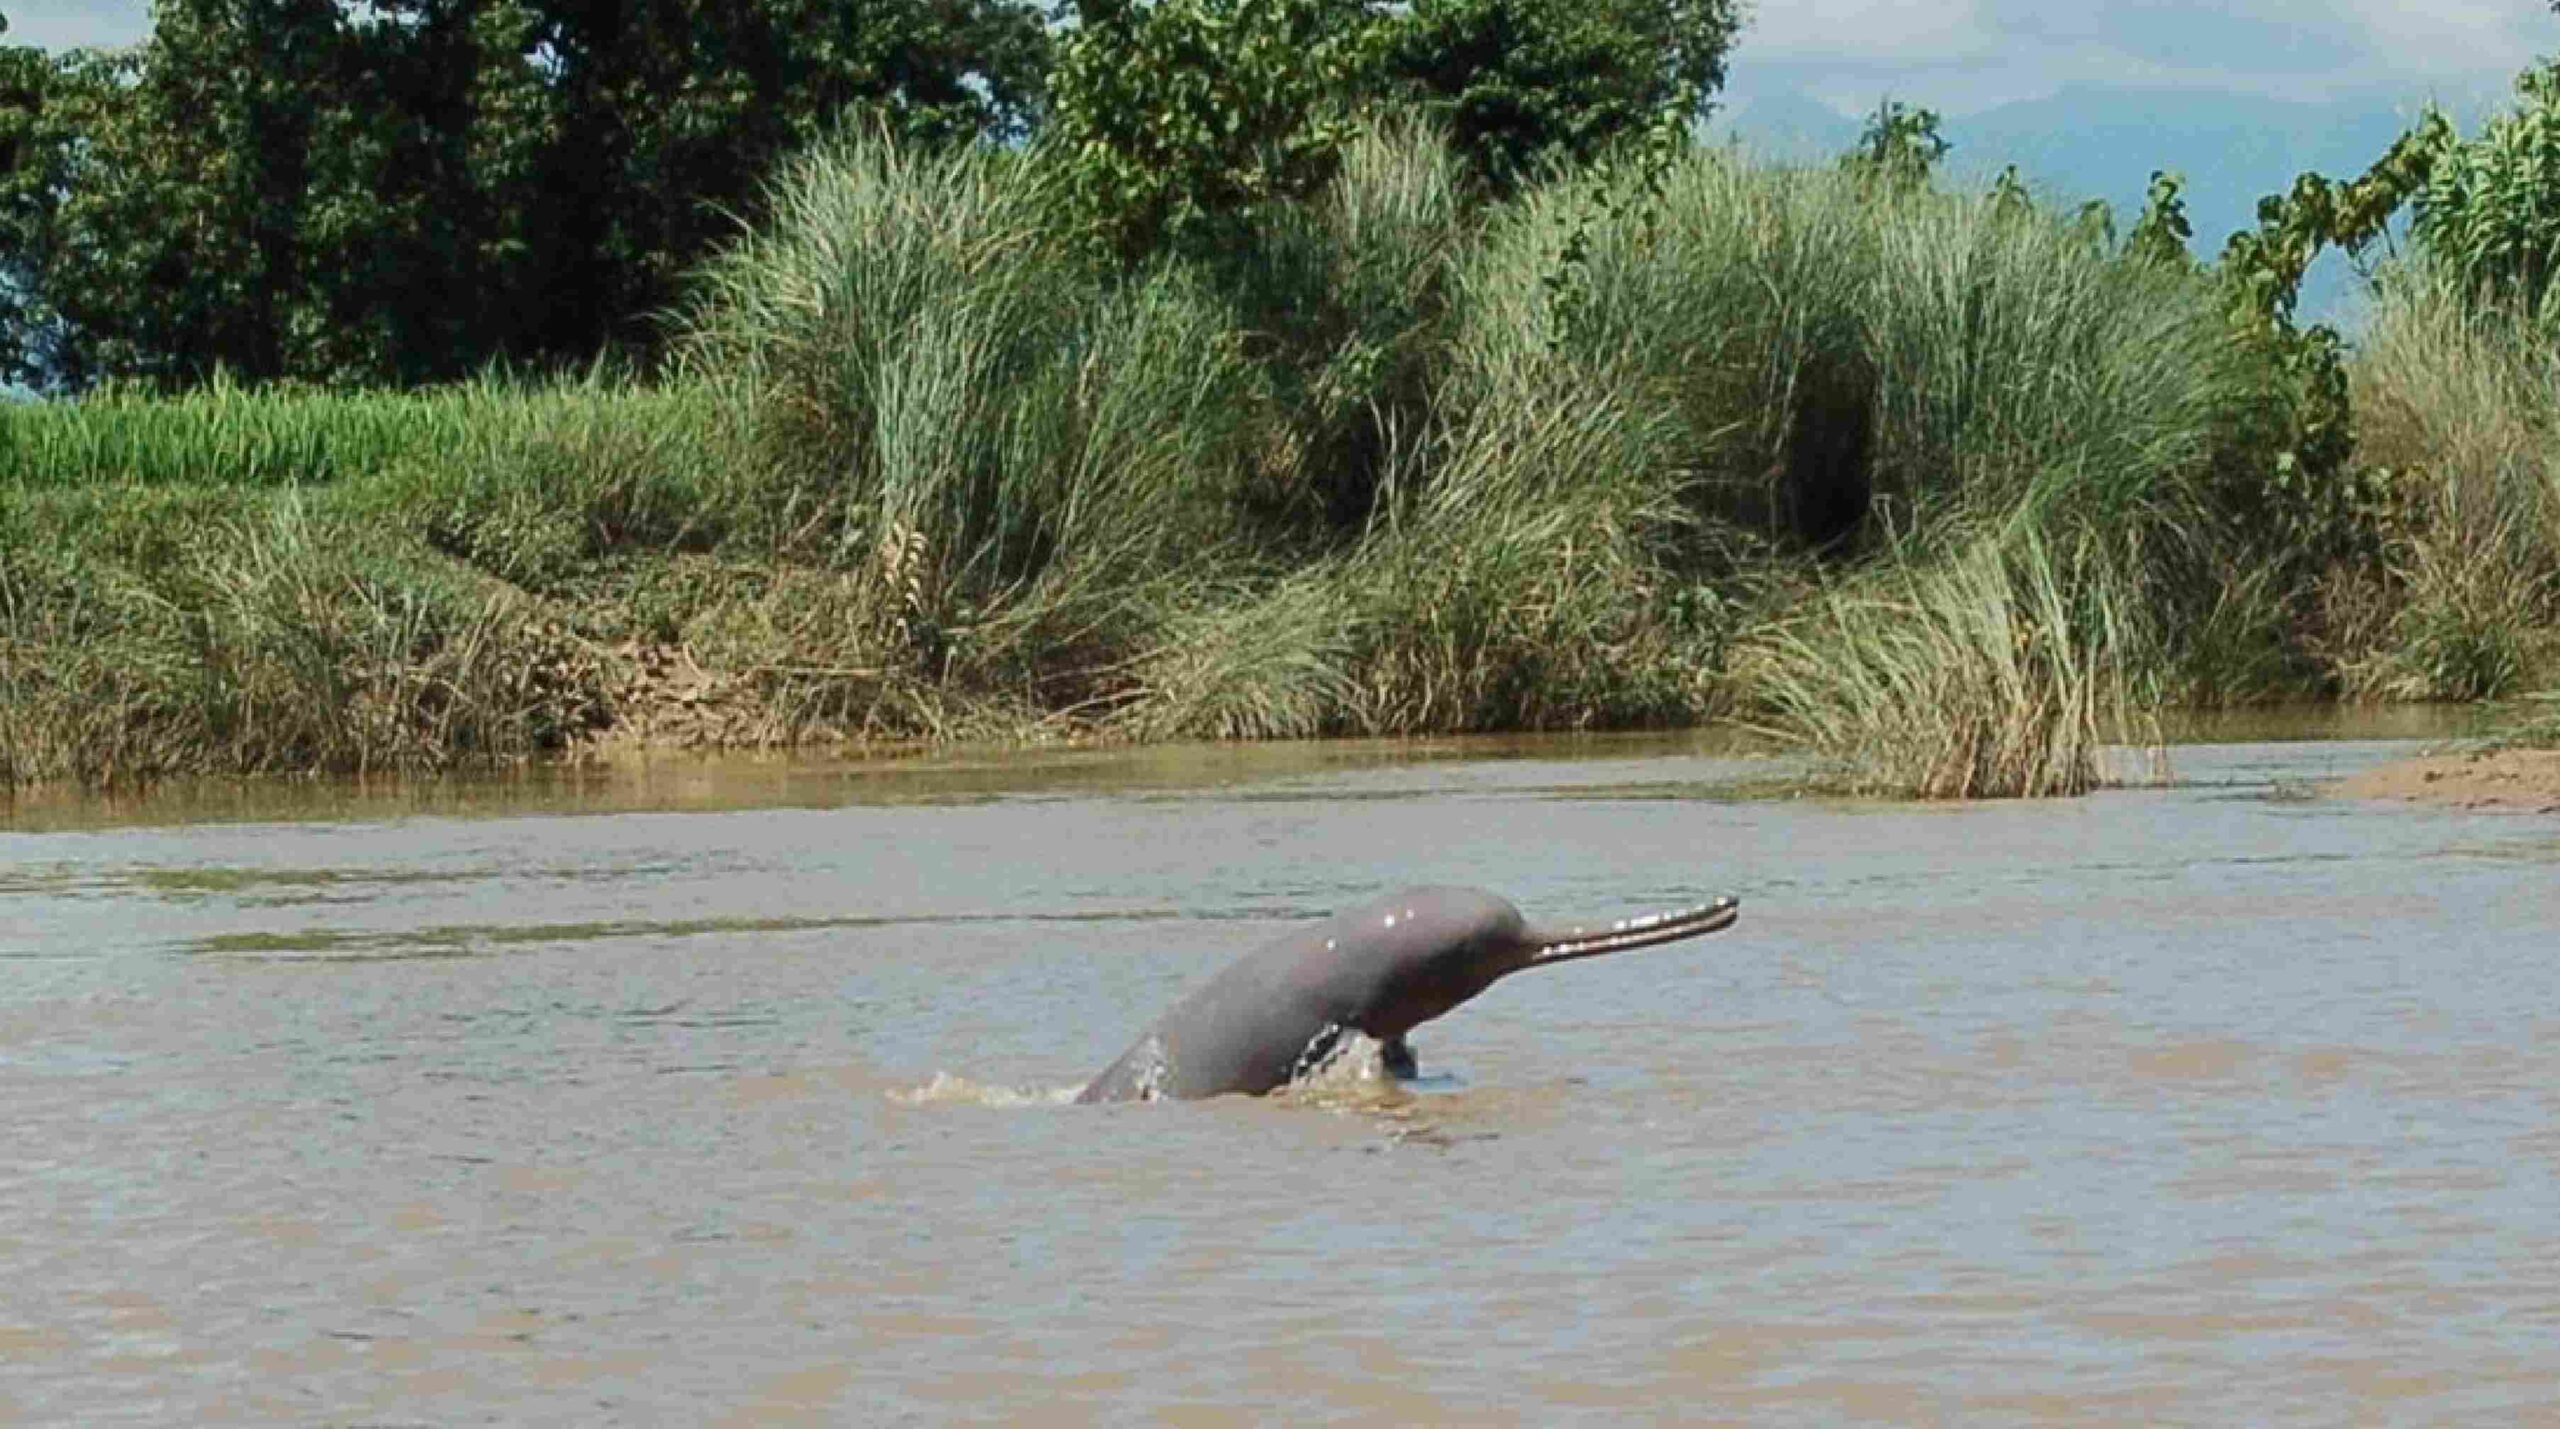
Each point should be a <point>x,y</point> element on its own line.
<point>1945,492</point>
<point>2517,780</point>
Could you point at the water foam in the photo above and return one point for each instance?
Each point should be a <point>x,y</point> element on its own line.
<point>948,1090</point>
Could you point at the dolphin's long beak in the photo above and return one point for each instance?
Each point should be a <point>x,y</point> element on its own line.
<point>1569,944</point>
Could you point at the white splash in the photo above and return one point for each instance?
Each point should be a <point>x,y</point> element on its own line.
<point>1342,1060</point>
<point>1159,1067</point>
<point>948,1090</point>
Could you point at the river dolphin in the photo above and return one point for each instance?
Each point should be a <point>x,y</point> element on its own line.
<point>1381,969</point>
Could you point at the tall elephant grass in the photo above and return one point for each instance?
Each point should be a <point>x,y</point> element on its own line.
<point>1026,458</point>
<point>1526,584</point>
<point>1930,391</point>
<point>1345,303</point>
<point>1824,340</point>
<point>2458,406</point>
<point>1639,411</point>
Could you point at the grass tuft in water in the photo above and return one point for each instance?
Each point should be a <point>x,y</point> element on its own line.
<point>2004,671</point>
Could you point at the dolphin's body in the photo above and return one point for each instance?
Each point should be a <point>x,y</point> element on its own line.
<point>1381,969</point>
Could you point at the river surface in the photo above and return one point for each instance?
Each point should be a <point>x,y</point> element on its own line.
<point>733,1095</point>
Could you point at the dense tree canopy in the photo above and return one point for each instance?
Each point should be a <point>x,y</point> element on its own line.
<point>1523,80</point>
<point>1183,116</point>
<point>406,190</point>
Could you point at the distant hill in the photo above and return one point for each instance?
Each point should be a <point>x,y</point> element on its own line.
<point>1791,128</point>
<point>2087,141</point>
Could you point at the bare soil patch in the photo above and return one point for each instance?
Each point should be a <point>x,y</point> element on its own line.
<point>2524,780</point>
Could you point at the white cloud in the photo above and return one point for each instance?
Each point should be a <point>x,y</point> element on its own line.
<point>1853,31</point>
<point>1961,56</point>
<point>2456,39</point>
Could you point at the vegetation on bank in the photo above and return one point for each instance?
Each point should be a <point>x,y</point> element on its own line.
<point>927,468</point>
<point>1954,490</point>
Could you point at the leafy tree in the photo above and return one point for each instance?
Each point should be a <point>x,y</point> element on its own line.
<point>433,253</point>
<point>2312,503</point>
<point>1183,119</point>
<point>1900,146</point>
<point>2009,197</point>
<point>2489,207</point>
<point>160,214</point>
<point>405,190</point>
<point>2160,235</point>
<point>214,167</point>
<point>50,111</point>
<point>666,115</point>
<point>1180,119</point>
<point>2264,265</point>
<point>28,148</point>
<point>1518,81</point>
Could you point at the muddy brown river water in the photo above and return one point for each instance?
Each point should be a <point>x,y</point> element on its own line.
<point>731,1095</point>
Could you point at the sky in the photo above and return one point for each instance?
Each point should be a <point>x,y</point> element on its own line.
<point>1962,56</point>
<point>64,24</point>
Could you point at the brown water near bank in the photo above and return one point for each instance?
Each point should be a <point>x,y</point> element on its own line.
<point>2206,1102</point>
